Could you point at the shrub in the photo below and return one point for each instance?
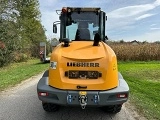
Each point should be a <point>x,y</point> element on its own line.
<point>5,57</point>
<point>20,57</point>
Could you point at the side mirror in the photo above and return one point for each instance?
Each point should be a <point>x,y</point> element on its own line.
<point>54,28</point>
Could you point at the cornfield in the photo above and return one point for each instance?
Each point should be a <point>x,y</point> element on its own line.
<point>139,52</point>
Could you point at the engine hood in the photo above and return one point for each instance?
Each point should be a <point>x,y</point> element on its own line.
<point>83,50</point>
<point>82,64</point>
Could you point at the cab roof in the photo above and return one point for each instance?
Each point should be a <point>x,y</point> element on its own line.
<point>82,9</point>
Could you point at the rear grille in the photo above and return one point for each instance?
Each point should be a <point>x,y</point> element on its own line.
<point>74,74</point>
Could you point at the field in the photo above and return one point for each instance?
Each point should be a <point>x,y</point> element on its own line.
<point>144,82</point>
<point>140,52</point>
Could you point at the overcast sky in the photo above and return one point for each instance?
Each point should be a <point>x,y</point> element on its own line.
<point>127,19</point>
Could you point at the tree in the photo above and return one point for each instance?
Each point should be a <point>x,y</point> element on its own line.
<point>121,41</point>
<point>8,31</point>
<point>20,30</point>
<point>31,30</point>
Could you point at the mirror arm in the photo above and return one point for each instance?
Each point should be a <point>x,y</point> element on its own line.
<point>56,22</point>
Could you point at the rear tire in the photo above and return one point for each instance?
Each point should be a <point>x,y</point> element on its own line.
<point>112,109</point>
<point>49,107</point>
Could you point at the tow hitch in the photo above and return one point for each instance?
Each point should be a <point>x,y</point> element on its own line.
<point>83,99</point>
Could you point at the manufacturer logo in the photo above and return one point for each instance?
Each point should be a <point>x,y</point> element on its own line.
<point>82,64</point>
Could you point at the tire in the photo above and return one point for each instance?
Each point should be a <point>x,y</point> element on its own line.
<point>112,109</point>
<point>49,107</point>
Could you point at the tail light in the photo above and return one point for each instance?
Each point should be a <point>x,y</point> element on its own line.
<point>43,93</point>
<point>64,9</point>
<point>122,95</point>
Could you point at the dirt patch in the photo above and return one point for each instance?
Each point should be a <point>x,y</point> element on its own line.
<point>131,109</point>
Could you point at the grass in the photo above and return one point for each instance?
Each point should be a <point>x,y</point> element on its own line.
<point>144,82</point>
<point>16,72</point>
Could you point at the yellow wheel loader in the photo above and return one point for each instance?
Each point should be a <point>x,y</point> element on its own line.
<point>83,68</point>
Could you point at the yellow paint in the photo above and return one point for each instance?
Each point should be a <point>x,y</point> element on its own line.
<point>83,51</point>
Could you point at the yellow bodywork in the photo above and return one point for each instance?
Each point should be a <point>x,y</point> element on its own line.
<point>84,52</point>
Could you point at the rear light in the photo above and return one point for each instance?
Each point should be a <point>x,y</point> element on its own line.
<point>43,93</point>
<point>122,95</point>
<point>64,9</point>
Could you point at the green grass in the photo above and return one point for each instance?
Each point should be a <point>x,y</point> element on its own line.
<point>16,72</point>
<point>144,82</point>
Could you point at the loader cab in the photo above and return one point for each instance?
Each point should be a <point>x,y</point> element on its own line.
<point>81,24</point>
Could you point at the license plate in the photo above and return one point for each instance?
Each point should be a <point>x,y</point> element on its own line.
<point>82,93</point>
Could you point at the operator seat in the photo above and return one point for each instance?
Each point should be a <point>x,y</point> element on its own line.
<point>82,31</point>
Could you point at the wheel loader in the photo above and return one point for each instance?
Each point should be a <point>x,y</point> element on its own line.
<point>83,68</point>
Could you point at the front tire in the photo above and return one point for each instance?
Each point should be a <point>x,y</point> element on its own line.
<point>49,107</point>
<point>112,108</point>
